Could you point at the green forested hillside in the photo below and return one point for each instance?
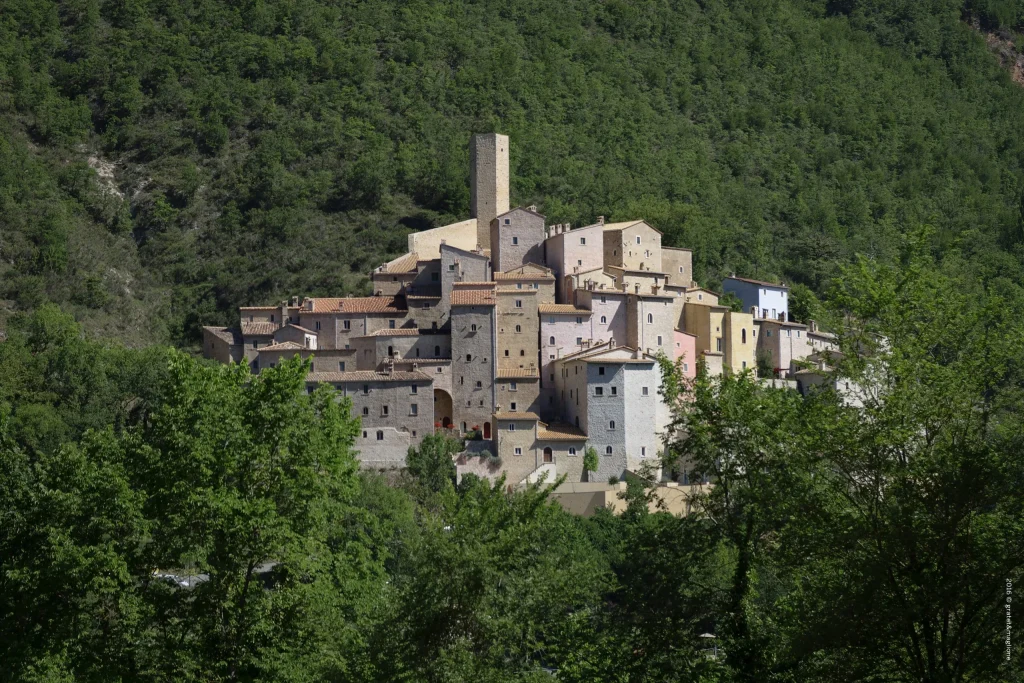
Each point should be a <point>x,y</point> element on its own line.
<point>250,150</point>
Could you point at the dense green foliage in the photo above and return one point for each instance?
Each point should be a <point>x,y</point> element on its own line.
<point>261,149</point>
<point>183,521</point>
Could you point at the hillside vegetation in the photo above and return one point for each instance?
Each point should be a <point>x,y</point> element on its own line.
<point>162,162</point>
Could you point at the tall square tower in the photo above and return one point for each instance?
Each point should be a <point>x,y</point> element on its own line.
<point>488,155</point>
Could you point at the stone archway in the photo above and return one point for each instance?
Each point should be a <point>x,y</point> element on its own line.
<point>442,408</point>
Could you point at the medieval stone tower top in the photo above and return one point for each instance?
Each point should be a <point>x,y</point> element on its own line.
<point>488,156</point>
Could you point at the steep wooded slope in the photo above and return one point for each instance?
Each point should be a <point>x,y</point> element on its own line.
<point>258,149</point>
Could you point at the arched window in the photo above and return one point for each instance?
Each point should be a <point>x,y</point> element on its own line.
<point>522,352</point>
<point>608,450</point>
<point>604,319</point>
<point>549,456</point>
<point>366,410</point>
<point>391,351</point>
<point>551,341</point>
<point>743,335</point>
<point>572,450</point>
<point>472,328</point>
<point>611,425</point>
<point>380,435</point>
<point>650,317</point>
<point>469,357</point>
<point>519,328</point>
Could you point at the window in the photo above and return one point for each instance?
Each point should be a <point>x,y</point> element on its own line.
<point>250,318</point>
<point>318,325</point>
<point>366,410</point>
<point>743,335</point>
<point>700,297</point>
<point>522,352</point>
<point>472,328</point>
<point>615,391</point>
<point>341,366</point>
<point>643,451</point>
<point>519,451</point>
<point>451,267</point>
<point>789,333</point>
<point>549,456</point>
<point>384,411</point>
<point>579,320</point>
<point>744,365</point>
<point>506,353</point>
<point>643,391</point>
<point>479,384</point>
<point>512,407</point>
<point>600,370</point>
<point>366,389</point>
<point>346,324</point>
<point>583,241</point>
<point>767,333</point>
<point>380,435</point>
<point>764,312</point>
<point>680,269</point>
<point>434,277</point>
<point>519,303</point>
<point>519,328</point>
<point>512,426</point>
<point>659,340</point>
<point>598,391</point>
<point>579,341</point>
<point>469,357</point>
<point>608,450</point>
<point>415,389</point>
<point>508,221</point>
<point>391,351</point>
<point>604,319</point>
<point>638,239</point>
<point>437,352</point>
<point>798,334</point>
<point>519,285</point>
<point>551,341</point>
<point>611,425</point>
<point>579,262</point>
<point>271,317</point>
<point>414,409</point>
<point>572,450</point>
<point>718,344</point>
<point>255,344</point>
<point>312,367</point>
<point>650,318</point>
<point>364,433</point>
<point>391,324</point>
<point>515,240</point>
<point>426,304</point>
<point>686,367</point>
<point>604,299</point>
<point>774,315</point>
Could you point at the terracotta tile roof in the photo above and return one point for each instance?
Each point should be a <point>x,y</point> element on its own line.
<point>563,309</point>
<point>258,308</point>
<point>300,327</point>
<point>654,273</point>
<point>560,431</point>
<point>403,264</point>
<point>513,290</point>
<point>397,332</point>
<point>362,304</point>
<point>427,361</point>
<point>518,373</point>
<point>416,297</point>
<point>230,335</point>
<point>284,346</point>
<point>471,283</point>
<point>259,329</point>
<point>473,297</point>
<point>367,376</point>
<point>762,283</point>
<point>516,416</point>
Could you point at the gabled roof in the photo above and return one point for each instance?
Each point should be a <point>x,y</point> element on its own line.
<point>360,304</point>
<point>577,355</point>
<point>300,328</point>
<point>516,416</point>
<point>367,376</point>
<point>259,329</point>
<point>628,224</point>
<point>466,252</point>
<point>403,264</point>
<point>520,208</point>
<point>473,297</point>
<point>518,373</point>
<point>562,309</point>
<point>760,283</point>
<point>396,332</point>
<point>230,335</point>
<point>529,271</point>
<point>284,346</point>
<point>559,431</point>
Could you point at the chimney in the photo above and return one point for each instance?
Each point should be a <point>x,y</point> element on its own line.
<point>295,302</point>
<point>284,313</point>
<point>600,220</point>
<point>812,326</point>
<point>636,288</point>
<point>654,289</point>
<point>753,311</point>
<point>532,207</point>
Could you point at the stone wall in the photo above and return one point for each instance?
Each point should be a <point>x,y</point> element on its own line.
<point>489,180</point>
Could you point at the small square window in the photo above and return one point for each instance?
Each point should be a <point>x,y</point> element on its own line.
<point>512,386</point>
<point>519,451</point>
<point>508,221</point>
<point>434,277</point>
<point>579,341</point>
<point>414,389</point>
<point>519,303</point>
<point>346,324</point>
<point>384,411</point>
<point>600,370</point>
<point>512,427</point>
<point>615,391</point>
<point>479,384</point>
<point>643,391</point>
<point>512,407</point>
<point>515,240</point>
<point>414,409</point>
<point>391,324</point>
<point>451,267</point>
<point>598,391</point>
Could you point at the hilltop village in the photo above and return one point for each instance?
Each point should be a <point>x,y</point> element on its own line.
<point>534,341</point>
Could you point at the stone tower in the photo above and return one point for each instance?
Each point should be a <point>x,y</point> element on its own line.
<point>488,182</point>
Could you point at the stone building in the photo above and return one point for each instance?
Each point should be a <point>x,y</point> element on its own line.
<point>518,333</point>
<point>649,323</point>
<point>517,238</point>
<point>678,266</point>
<point>572,252</point>
<point>458,266</point>
<point>771,299</point>
<point>395,409</point>
<point>489,181</point>
<point>780,343</point>
<point>740,342</point>
<point>633,245</point>
<point>474,331</point>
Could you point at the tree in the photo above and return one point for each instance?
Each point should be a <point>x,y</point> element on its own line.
<point>432,462</point>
